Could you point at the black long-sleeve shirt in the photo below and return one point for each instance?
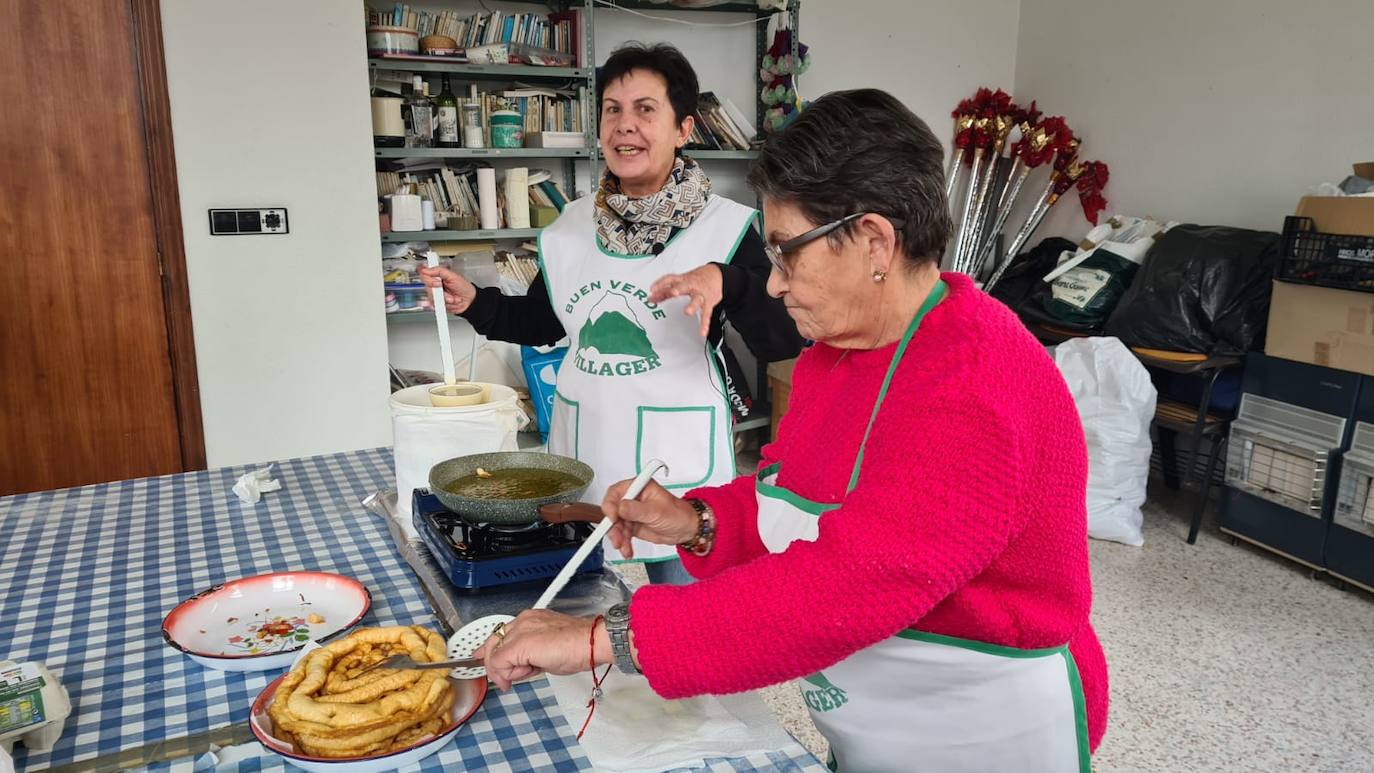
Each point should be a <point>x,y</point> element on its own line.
<point>761,321</point>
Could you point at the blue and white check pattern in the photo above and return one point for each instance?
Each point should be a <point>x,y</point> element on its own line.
<point>87,574</point>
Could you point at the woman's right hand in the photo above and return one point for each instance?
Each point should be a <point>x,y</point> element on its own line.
<point>458,292</point>
<point>656,516</point>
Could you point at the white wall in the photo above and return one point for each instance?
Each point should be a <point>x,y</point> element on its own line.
<point>929,55</point>
<point>1219,112</point>
<point>290,335</point>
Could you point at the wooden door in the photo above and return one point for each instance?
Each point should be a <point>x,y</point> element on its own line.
<point>95,380</point>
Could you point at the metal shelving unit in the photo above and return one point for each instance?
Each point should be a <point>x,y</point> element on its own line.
<point>586,77</point>
<point>482,152</point>
<point>405,317</point>
<point>461,236</point>
<point>723,155</point>
<point>480,72</point>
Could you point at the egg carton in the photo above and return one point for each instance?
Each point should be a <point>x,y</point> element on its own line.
<point>33,706</point>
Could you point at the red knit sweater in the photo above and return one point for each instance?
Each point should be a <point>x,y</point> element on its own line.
<point>968,520</point>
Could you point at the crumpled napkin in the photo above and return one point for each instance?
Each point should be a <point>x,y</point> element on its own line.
<point>252,486</point>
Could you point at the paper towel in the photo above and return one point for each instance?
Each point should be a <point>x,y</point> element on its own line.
<point>518,197</point>
<point>486,199</point>
<point>633,729</point>
<point>252,486</point>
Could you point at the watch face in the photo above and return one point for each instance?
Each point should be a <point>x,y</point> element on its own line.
<point>619,613</point>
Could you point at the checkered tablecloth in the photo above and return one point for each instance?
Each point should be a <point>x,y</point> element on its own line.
<point>87,574</point>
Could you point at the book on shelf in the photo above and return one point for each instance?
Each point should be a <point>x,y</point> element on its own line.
<point>719,125</point>
<point>454,191</point>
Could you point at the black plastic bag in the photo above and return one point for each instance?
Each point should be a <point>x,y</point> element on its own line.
<point>1202,289</point>
<point>1022,278</point>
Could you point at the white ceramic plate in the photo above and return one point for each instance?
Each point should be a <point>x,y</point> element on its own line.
<point>470,694</point>
<point>260,623</point>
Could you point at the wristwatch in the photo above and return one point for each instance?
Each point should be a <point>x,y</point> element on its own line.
<point>618,628</point>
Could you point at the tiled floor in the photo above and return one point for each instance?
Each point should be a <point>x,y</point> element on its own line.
<point>1222,658</point>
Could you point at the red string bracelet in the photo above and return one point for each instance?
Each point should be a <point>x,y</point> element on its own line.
<point>596,682</point>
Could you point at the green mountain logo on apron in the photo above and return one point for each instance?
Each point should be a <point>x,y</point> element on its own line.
<point>612,342</point>
<point>827,698</point>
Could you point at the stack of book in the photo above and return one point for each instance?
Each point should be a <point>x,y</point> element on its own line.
<point>524,33</point>
<point>719,125</point>
<point>548,110</point>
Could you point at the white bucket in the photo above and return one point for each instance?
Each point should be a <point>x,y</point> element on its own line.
<point>426,435</point>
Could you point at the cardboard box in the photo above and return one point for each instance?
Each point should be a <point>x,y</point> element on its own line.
<point>1342,214</point>
<point>780,390</point>
<point>1322,326</point>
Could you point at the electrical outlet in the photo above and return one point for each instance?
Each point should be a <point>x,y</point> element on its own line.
<point>235,222</point>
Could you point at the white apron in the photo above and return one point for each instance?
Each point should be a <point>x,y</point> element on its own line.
<point>924,702</point>
<point>639,382</point>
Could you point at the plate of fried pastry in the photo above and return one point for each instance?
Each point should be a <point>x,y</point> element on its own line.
<point>324,715</point>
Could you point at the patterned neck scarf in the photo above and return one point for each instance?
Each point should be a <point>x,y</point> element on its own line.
<point>632,226</point>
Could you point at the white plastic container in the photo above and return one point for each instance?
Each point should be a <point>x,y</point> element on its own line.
<point>383,40</point>
<point>406,212</point>
<point>33,706</point>
<point>424,435</point>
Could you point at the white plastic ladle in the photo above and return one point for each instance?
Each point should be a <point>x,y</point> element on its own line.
<point>441,317</point>
<point>467,639</point>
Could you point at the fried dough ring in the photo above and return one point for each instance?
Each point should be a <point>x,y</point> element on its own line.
<point>368,701</point>
<point>323,708</point>
<point>381,738</point>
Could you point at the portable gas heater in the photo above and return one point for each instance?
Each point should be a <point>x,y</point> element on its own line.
<point>1284,455</point>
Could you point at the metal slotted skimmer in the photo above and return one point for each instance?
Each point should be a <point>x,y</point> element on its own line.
<point>1279,452</point>
<point>1354,505</point>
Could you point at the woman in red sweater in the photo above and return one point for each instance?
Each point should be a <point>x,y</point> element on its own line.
<point>913,549</point>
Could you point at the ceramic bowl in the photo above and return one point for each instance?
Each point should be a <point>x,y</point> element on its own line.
<point>470,694</point>
<point>260,623</point>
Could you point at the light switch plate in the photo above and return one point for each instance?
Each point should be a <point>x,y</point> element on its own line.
<point>239,222</point>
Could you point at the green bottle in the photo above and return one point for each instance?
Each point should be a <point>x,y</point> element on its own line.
<point>448,118</point>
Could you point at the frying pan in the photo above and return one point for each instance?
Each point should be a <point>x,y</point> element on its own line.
<point>506,512</point>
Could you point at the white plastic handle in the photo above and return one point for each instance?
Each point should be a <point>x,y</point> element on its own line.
<point>441,319</point>
<point>598,534</point>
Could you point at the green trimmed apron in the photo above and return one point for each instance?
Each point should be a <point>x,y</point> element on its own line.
<point>638,381</point>
<point>923,702</point>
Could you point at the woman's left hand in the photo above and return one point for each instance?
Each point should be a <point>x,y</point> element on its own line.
<point>702,284</point>
<point>536,642</point>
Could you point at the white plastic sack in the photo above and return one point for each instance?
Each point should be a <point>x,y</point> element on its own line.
<point>1116,403</point>
<point>425,435</point>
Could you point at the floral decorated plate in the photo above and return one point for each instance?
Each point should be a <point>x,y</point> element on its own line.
<point>260,623</point>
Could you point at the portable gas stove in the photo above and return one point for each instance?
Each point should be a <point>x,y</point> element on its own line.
<point>477,556</point>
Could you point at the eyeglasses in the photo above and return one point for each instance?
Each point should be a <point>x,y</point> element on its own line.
<point>776,251</point>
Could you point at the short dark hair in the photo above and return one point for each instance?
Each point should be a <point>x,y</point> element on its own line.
<point>661,58</point>
<point>861,151</point>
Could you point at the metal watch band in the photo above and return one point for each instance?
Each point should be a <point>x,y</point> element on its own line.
<point>618,629</point>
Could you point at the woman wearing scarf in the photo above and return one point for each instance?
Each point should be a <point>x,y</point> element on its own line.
<point>640,278</point>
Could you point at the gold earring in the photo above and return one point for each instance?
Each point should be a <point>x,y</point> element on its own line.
<point>879,276</point>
